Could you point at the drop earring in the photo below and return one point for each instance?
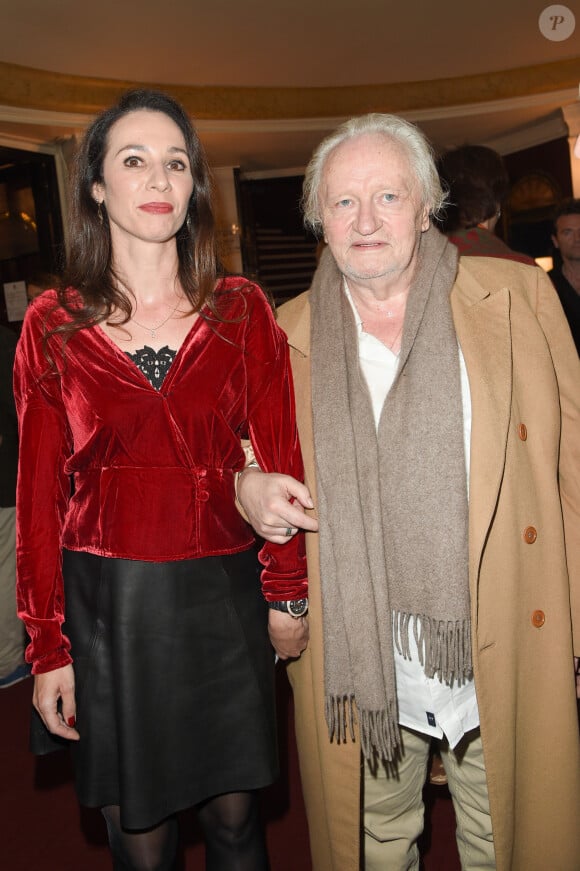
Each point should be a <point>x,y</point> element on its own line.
<point>100,213</point>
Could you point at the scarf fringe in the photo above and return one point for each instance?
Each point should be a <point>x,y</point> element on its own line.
<point>379,730</point>
<point>444,647</point>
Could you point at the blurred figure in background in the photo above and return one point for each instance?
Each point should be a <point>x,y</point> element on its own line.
<point>477,182</point>
<point>12,665</point>
<point>566,276</point>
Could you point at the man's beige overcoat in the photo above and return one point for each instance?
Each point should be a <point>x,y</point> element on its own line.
<point>524,557</point>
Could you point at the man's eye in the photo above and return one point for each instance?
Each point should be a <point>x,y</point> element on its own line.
<point>345,202</point>
<point>389,198</point>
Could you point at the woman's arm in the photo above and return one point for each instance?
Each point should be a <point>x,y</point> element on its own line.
<point>43,492</point>
<point>274,436</point>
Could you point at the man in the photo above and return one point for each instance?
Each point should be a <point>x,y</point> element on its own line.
<point>439,415</point>
<point>566,277</point>
<point>12,666</point>
<point>477,183</point>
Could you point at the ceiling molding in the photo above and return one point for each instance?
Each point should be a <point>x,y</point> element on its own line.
<point>529,137</point>
<point>34,89</point>
<point>567,98</point>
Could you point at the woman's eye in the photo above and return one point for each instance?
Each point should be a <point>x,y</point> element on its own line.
<point>132,161</point>
<point>176,165</point>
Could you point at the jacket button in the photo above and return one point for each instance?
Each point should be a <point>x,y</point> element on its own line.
<point>530,534</point>
<point>522,431</point>
<point>538,619</point>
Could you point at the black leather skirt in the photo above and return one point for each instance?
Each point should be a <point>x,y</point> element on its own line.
<point>174,682</point>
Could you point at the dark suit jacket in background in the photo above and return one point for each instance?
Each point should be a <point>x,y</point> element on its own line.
<point>570,303</point>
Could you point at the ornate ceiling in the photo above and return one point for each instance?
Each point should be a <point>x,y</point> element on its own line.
<point>266,80</point>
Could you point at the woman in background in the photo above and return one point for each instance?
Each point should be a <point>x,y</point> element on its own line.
<point>137,579</point>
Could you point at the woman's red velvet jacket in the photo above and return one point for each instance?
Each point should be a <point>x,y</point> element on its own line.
<point>111,466</point>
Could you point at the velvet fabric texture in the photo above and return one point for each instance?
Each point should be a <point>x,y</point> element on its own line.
<point>111,466</point>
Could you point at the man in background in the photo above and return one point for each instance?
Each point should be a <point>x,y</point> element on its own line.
<point>566,276</point>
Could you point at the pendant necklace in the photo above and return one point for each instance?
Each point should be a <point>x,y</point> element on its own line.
<point>153,330</point>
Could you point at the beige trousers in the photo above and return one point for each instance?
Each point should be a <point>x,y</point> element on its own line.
<point>11,628</point>
<point>394,811</point>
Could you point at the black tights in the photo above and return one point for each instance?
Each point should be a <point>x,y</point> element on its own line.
<point>233,834</point>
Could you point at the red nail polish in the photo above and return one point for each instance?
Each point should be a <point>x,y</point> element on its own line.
<point>71,721</point>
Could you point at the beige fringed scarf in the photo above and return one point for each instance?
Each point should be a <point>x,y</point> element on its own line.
<point>392,503</point>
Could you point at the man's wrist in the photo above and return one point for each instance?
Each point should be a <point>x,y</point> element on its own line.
<point>294,607</point>
<point>254,465</point>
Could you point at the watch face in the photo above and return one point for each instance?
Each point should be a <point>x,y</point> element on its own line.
<point>298,607</point>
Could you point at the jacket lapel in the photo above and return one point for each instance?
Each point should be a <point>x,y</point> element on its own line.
<point>482,322</point>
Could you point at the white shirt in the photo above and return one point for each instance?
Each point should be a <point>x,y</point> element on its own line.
<point>425,704</point>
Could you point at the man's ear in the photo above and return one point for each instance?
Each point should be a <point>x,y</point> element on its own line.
<point>555,241</point>
<point>425,219</point>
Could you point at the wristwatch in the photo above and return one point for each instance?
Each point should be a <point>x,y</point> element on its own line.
<point>295,607</point>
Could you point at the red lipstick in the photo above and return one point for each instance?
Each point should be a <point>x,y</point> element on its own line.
<point>157,208</point>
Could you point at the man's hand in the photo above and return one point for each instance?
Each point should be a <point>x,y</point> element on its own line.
<point>289,635</point>
<point>275,504</point>
<point>48,689</point>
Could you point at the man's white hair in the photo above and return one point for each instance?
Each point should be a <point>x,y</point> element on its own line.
<point>410,137</point>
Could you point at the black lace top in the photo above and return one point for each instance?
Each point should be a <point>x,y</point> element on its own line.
<point>153,364</point>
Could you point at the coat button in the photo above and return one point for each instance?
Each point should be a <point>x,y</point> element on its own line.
<point>530,534</point>
<point>522,431</point>
<point>538,619</point>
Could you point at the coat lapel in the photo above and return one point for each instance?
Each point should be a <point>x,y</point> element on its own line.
<point>482,321</point>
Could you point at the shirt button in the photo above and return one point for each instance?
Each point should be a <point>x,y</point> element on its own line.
<point>522,431</point>
<point>538,619</point>
<point>530,534</point>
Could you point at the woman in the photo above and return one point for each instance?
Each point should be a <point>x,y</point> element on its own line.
<point>135,382</point>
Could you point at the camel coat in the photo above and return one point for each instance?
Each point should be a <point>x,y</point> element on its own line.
<point>524,377</point>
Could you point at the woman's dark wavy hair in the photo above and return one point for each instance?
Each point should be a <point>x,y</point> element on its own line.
<point>89,267</point>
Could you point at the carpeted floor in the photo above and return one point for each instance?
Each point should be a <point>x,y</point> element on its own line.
<point>44,829</point>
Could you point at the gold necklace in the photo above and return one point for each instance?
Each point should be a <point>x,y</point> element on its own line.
<point>153,330</point>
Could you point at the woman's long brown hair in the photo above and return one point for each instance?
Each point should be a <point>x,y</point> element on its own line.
<point>89,269</point>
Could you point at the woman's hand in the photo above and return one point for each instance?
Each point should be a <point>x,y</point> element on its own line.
<point>48,689</point>
<point>275,504</point>
<point>288,635</point>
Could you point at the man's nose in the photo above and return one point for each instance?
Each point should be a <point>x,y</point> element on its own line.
<point>367,219</point>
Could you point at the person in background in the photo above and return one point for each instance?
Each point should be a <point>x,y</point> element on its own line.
<point>12,639</point>
<point>566,275</point>
<point>40,280</point>
<point>476,183</point>
<point>138,582</point>
<point>438,409</point>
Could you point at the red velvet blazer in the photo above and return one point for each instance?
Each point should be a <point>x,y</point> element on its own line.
<point>152,471</point>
